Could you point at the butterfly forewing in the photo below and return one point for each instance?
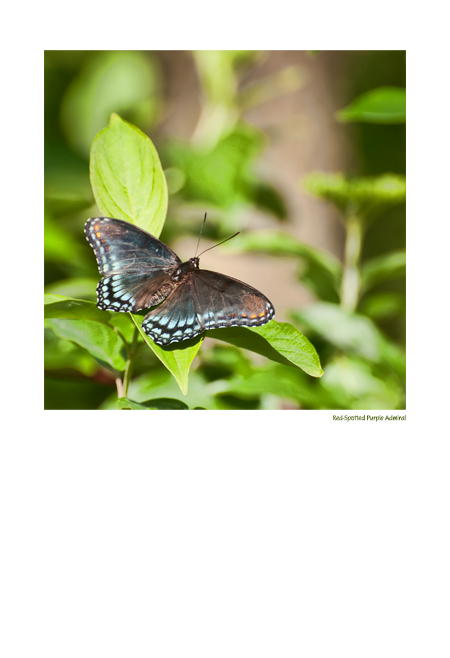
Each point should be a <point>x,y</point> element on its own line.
<point>136,265</point>
<point>121,246</point>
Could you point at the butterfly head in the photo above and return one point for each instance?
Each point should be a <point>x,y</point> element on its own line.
<point>182,270</point>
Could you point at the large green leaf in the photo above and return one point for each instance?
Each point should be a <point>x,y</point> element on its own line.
<point>381,105</point>
<point>278,341</point>
<point>176,359</point>
<point>127,177</point>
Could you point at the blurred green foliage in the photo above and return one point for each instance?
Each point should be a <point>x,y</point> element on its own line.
<point>357,323</point>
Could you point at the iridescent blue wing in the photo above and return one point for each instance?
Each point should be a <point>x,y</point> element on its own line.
<point>206,300</point>
<point>136,265</point>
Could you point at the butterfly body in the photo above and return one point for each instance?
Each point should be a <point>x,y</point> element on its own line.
<point>139,271</point>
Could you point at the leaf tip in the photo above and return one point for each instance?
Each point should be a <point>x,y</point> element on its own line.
<point>114,118</point>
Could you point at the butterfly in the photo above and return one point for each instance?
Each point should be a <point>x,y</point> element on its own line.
<point>139,272</point>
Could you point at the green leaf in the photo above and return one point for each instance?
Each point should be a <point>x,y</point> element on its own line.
<point>321,271</point>
<point>383,305</point>
<point>220,175</point>
<point>351,332</point>
<point>283,382</point>
<point>83,323</point>
<point>127,177</point>
<point>175,358</point>
<point>357,196</point>
<point>66,183</point>
<point>74,287</point>
<point>278,341</point>
<point>63,354</point>
<point>383,268</point>
<point>159,403</point>
<point>355,383</point>
<point>158,383</point>
<point>112,81</point>
<point>59,246</point>
<point>346,330</point>
<point>381,105</point>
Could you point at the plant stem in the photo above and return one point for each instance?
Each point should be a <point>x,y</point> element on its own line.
<point>129,365</point>
<point>351,279</point>
<point>119,387</point>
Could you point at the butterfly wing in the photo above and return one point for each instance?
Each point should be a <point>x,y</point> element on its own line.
<point>136,265</point>
<point>206,300</point>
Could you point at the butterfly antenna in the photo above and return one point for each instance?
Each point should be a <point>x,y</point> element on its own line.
<point>201,230</point>
<point>219,243</point>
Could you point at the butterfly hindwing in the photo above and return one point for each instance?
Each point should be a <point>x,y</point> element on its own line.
<point>206,300</point>
<point>132,292</point>
<point>176,319</point>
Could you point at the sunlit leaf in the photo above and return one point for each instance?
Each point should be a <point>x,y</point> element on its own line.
<point>278,341</point>
<point>127,177</point>
<point>177,357</point>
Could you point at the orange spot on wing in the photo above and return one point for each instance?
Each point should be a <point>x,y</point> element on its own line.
<point>253,316</point>
<point>96,227</point>
<point>261,315</point>
<point>243,315</point>
<point>98,234</point>
<point>232,315</point>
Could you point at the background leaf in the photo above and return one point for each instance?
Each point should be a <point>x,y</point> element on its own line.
<point>321,272</point>
<point>357,196</point>
<point>112,81</point>
<point>387,266</point>
<point>382,105</point>
<point>83,323</point>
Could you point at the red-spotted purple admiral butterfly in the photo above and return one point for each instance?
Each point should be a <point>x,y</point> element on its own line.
<point>139,271</point>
